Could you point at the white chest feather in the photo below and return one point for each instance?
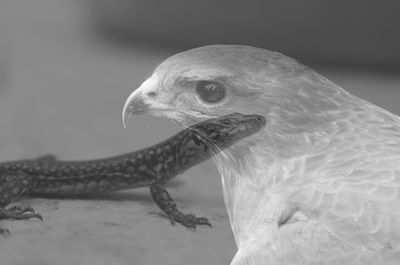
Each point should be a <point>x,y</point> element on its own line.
<point>339,204</point>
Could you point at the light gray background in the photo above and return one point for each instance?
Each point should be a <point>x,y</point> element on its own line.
<point>63,83</point>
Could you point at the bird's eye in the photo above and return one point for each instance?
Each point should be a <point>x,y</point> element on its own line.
<point>210,92</point>
<point>227,122</point>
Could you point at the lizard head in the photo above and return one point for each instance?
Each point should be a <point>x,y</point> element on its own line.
<point>226,130</point>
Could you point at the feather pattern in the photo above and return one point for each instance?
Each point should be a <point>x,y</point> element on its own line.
<point>351,194</point>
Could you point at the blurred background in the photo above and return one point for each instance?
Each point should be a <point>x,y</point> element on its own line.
<point>343,32</point>
<point>66,68</point>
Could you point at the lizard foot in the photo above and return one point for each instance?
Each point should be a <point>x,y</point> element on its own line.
<point>189,220</point>
<point>19,213</point>
<point>21,209</point>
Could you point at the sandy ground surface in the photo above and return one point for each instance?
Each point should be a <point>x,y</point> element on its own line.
<point>61,92</point>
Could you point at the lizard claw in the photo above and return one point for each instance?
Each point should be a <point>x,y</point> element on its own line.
<point>38,216</point>
<point>30,209</point>
<point>191,220</point>
<point>203,221</point>
<point>21,209</point>
<point>19,213</point>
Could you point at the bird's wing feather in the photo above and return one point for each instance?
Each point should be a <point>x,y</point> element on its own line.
<point>352,188</point>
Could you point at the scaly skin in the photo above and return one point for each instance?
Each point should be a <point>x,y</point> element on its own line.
<point>152,166</point>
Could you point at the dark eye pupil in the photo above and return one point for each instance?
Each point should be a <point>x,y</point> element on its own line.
<point>210,92</point>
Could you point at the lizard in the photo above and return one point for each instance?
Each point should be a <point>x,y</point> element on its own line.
<point>152,166</point>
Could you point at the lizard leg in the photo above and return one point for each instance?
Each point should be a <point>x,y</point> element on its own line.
<point>12,186</point>
<point>168,206</point>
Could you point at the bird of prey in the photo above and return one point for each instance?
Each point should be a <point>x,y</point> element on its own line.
<point>319,184</point>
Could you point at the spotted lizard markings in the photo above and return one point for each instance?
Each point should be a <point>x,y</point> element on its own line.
<point>152,166</point>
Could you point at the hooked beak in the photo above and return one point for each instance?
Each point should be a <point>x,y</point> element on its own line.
<point>140,100</point>
<point>146,100</point>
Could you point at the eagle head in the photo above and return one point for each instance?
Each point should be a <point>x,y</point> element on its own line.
<point>216,80</point>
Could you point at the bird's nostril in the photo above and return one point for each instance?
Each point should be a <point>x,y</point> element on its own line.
<point>151,94</point>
